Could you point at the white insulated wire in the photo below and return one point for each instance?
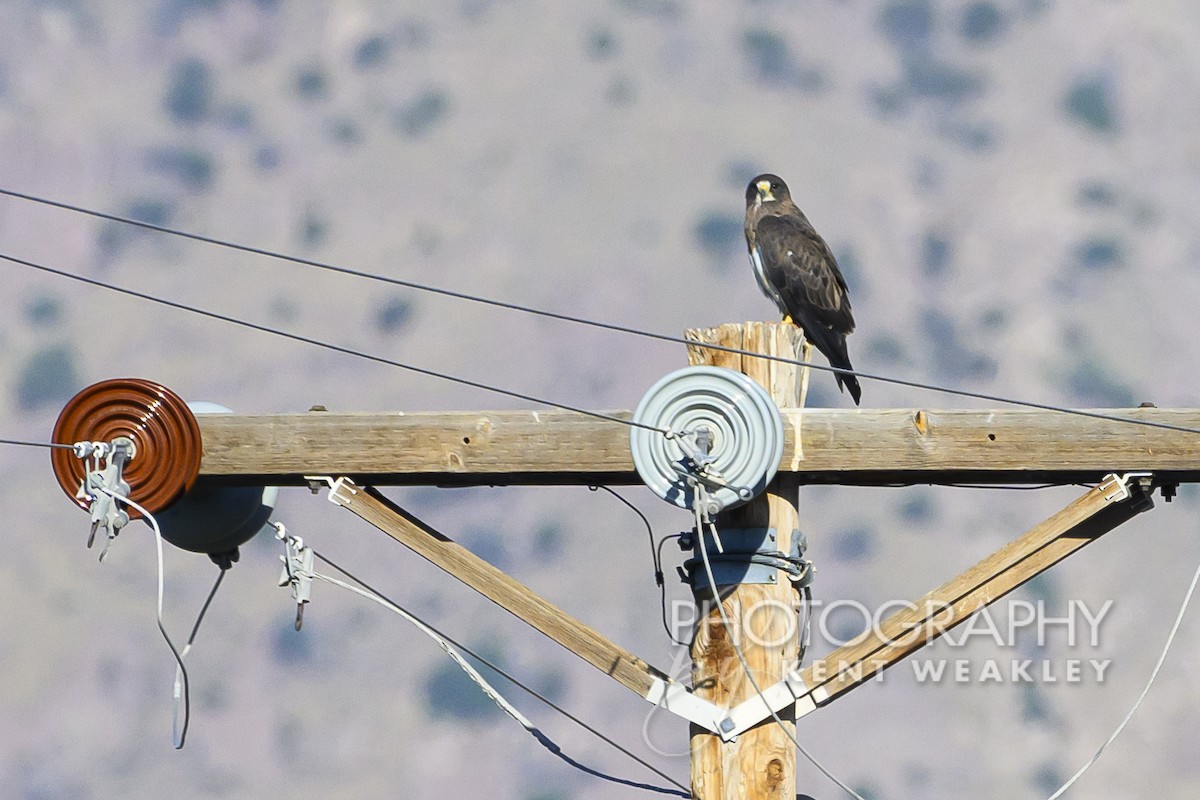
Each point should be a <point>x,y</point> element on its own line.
<point>486,687</point>
<point>1187,598</point>
<point>178,731</point>
<point>449,649</point>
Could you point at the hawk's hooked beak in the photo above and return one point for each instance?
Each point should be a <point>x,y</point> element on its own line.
<point>764,191</point>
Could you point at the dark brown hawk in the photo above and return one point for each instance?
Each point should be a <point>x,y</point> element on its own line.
<point>797,270</point>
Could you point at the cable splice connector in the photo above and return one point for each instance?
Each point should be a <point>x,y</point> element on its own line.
<point>103,484</point>
<point>88,449</point>
<point>297,572</point>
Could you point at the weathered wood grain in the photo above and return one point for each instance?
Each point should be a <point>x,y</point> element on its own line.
<point>761,763</point>
<point>502,589</point>
<point>1080,523</point>
<point>868,447</point>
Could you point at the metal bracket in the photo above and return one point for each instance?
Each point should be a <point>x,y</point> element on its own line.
<point>731,723</point>
<point>774,699</point>
<point>679,700</point>
<point>698,469</point>
<point>1116,487</point>
<point>336,487</point>
<point>751,555</point>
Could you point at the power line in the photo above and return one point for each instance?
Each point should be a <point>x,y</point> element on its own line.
<point>328,345</point>
<point>181,679</point>
<point>490,691</point>
<point>486,387</point>
<point>1187,598</point>
<point>50,445</point>
<point>515,681</point>
<point>578,320</point>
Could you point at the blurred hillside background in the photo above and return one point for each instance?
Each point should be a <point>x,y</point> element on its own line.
<point>1011,187</point>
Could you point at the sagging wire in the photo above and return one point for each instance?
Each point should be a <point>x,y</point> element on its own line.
<point>179,734</point>
<point>295,571</point>
<point>296,337</point>
<point>510,678</point>
<point>737,648</point>
<point>493,694</point>
<point>1187,598</point>
<point>806,625</point>
<point>1016,487</point>
<point>655,557</point>
<point>583,320</point>
<point>179,693</point>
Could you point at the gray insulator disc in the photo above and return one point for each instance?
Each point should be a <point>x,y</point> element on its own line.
<point>745,424</point>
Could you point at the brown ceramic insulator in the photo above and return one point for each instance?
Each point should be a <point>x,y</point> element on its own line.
<point>164,431</point>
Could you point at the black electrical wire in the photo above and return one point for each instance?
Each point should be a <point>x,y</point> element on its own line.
<point>663,589</point>
<point>50,445</point>
<point>181,738</point>
<point>204,608</point>
<point>1018,487</point>
<point>1009,486</point>
<point>181,734</point>
<point>583,320</point>
<point>516,682</point>
<point>655,557</point>
<point>327,345</point>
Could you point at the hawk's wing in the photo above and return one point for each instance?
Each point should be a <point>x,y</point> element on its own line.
<point>802,268</point>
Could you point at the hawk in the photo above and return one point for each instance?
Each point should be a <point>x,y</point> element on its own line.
<point>797,270</point>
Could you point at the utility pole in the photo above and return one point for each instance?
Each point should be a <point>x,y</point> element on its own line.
<point>760,763</point>
<point>738,750</point>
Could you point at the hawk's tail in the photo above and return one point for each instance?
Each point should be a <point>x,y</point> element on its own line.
<point>833,345</point>
<point>849,382</point>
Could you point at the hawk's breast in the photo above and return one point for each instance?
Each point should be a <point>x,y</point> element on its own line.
<point>767,287</point>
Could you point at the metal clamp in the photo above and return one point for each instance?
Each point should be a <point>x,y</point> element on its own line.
<point>298,563</point>
<point>104,484</point>
<point>1116,487</point>
<point>336,487</point>
<point>748,555</point>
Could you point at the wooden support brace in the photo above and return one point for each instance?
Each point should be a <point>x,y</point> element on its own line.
<point>497,586</point>
<point>1086,519</point>
<point>525,604</point>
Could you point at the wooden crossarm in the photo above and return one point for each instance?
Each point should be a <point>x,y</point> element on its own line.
<point>864,447</point>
